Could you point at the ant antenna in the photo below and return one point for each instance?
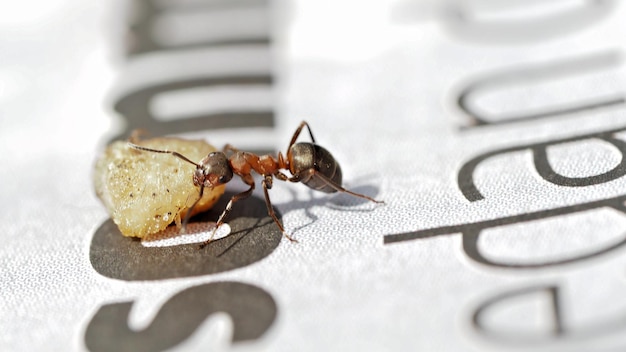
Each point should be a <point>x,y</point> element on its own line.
<point>176,154</point>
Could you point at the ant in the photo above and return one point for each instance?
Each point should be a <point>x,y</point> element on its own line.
<point>309,163</point>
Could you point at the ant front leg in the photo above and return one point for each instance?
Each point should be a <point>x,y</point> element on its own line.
<point>267,184</point>
<point>243,195</point>
<point>190,210</point>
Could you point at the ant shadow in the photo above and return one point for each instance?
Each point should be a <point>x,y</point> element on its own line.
<point>253,237</point>
<point>239,235</point>
<point>338,201</point>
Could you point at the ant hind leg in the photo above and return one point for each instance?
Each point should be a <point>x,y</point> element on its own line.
<point>339,188</point>
<point>297,133</point>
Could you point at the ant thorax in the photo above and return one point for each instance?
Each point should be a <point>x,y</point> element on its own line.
<point>243,163</point>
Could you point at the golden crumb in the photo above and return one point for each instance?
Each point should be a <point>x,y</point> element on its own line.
<point>146,192</point>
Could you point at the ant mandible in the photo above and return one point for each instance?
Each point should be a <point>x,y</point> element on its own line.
<point>309,163</point>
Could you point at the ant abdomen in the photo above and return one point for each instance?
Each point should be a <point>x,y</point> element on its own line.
<point>304,158</point>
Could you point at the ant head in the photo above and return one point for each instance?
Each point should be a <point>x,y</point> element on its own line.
<point>213,170</point>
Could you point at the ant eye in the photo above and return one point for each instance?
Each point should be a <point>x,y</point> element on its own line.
<point>223,179</point>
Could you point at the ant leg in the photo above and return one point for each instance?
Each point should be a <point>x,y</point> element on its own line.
<point>220,220</point>
<point>279,175</point>
<point>267,184</point>
<point>229,148</point>
<point>339,188</point>
<point>188,215</point>
<point>297,133</point>
<point>135,135</point>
